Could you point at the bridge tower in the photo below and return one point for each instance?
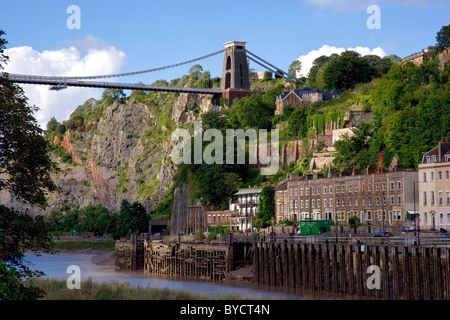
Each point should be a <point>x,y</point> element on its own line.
<point>235,77</point>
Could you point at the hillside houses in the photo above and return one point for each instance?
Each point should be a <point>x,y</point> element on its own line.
<point>303,97</point>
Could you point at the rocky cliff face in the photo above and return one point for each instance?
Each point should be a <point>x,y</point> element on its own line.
<point>123,155</point>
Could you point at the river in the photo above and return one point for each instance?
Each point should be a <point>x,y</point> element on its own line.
<point>56,265</point>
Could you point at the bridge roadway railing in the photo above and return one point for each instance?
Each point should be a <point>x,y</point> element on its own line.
<point>405,241</point>
<point>63,82</point>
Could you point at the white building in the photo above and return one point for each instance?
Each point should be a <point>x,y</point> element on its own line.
<point>246,207</point>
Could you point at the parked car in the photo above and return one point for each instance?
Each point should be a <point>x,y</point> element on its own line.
<point>382,234</point>
<point>407,228</point>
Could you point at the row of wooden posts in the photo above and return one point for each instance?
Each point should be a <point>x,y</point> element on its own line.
<point>374,272</point>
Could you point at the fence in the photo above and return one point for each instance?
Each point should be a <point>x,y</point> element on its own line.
<point>406,272</point>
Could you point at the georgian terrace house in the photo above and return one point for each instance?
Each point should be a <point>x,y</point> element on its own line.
<point>434,186</point>
<point>372,197</point>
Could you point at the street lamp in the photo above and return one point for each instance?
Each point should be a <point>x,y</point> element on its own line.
<point>416,215</point>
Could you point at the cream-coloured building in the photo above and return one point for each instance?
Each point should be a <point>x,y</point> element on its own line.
<point>434,188</point>
<point>377,198</point>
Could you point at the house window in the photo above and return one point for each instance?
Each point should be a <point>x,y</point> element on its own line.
<point>384,186</point>
<point>307,204</point>
<point>447,196</point>
<point>399,184</point>
<point>296,192</point>
<point>447,158</point>
<point>313,203</point>
<point>424,177</point>
<point>440,198</point>
<point>370,202</point>
<point>377,188</point>
<point>432,176</point>
<point>343,189</point>
<point>439,175</point>
<point>369,187</point>
<point>331,202</point>
<point>324,190</point>
<point>356,188</point>
<point>337,189</point>
<point>325,203</point>
<point>349,202</point>
<point>331,189</point>
<point>392,200</point>
<point>399,200</point>
<point>432,198</point>
<point>301,191</point>
<point>281,208</point>
<point>447,176</point>
<point>337,202</point>
<point>424,198</point>
<point>441,218</point>
<point>318,190</point>
<point>392,185</point>
<point>349,188</point>
<point>306,191</point>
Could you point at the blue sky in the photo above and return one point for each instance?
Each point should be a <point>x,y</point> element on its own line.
<point>157,33</point>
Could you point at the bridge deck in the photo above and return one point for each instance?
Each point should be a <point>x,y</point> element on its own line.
<point>62,82</point>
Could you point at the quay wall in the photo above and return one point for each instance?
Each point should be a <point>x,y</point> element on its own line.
<point>419,273</point>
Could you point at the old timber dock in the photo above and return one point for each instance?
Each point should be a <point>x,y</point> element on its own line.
<point>406,272</point>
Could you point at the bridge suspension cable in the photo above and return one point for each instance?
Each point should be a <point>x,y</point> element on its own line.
<point>118,75</point>
<point>279,71</point>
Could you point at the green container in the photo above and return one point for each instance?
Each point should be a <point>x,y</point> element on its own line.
<point>314,227</point>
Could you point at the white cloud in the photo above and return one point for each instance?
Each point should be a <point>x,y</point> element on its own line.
<point>326,50</point>
<point>98,59</point>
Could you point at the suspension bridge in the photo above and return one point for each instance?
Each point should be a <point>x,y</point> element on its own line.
<point>234,82</point>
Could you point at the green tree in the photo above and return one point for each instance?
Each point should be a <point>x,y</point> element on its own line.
<point>354,150</point>
<point>297,122</point>
<point>443,38</point>
<point>347,70</point>
<point>51,125</point>
<point>25,172</point>
<point>266,211</point>
<point>132,218</point>
<point>252,112</point>
<point>294,71</point>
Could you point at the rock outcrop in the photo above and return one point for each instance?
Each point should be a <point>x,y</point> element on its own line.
<point>124,154</point>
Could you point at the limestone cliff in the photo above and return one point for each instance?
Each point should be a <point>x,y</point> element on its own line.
<point>124,154</point>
